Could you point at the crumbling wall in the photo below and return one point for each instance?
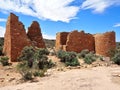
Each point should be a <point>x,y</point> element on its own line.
<point>104,43</point>
<point>61,39</point>
<point>35,35</point>
<point>78,41</point>
<point>15,38</point>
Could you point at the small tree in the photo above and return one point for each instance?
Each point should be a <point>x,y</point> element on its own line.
<point>4,60</point>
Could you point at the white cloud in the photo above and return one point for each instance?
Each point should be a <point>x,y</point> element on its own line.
<point>2,31</point>
<point>99,6</point>
<point>117,25</point>
<point>55,10</point>
<point>2,20</point>
<point>46,36</point>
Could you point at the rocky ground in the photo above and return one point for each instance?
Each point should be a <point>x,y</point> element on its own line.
<point>98,76</point>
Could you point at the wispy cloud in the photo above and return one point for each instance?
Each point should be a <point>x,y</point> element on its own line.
<point>46,36</point>
<point>2,20</point>
<point>116,25</point>
<point>55,10</point>
<point>99,6</point>
<point>2,31</point>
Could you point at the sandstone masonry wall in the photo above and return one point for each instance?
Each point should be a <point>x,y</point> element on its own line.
<point>61,39</point>
<point>78,41</point>
<point>35,35</point>
<point>104,43</point>
<point>16,39</point>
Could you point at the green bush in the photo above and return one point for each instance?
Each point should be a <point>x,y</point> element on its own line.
<point>89,58</point>
<point>24,70</point>
<point>39,73</point>
<point>69,58</point>
<point>83,53</point>
<point>27,76</point>
<point>33,60</point>
<point>42,59</point>
<point>116,58</point>
<point>1,49</point>
<point>27,55</point>
<point>62,55</point>
<point>115,54</point>
<point>72,62</point>
<point>4,60</point>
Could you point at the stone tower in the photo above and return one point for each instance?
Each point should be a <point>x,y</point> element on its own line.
<point>15,38</point>
<point>35,35</point>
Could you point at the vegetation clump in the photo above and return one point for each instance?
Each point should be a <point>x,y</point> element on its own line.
<point>87,56</point>
<point>1,46</point>
<point>4,60</point>
<point>34,62</point>
<point>69,58</point>
<point>115,55</point>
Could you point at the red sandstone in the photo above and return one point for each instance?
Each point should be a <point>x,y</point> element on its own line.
<point>16,39</point>
<point>34,34</point>
<point>78,41</point>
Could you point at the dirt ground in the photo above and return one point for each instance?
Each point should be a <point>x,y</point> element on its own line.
<point>98,76</point>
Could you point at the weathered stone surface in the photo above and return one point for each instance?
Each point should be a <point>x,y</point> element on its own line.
<point>61,39</point>
<point>34,34</point>
<point>104,43</point>
<point>15,38</point>
<point>75,41</point>
<point>78,41</point>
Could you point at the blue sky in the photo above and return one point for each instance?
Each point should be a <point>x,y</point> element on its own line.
<point>92,16</point>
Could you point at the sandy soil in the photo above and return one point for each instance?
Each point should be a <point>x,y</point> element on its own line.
<point>97,78</point>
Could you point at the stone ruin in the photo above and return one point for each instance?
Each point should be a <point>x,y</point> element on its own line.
<point>104,43</point>
<point>16,39</point>
<point>77,41</point>
<point>35,35</point>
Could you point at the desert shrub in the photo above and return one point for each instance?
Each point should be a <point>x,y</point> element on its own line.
<point>62,55</point>
<point>89,58</point>
<point>42,59</point>
<point>69,58</point>
<point>83,53</point>
<point>43,51</point>
<point>33,60</point>
<point>27,76</point>
<point>1,49</point>
<point>1,45</point>
<point>27,55</point>
<point>116,58</point>
<point>24,70</point>
<point>40,73</point>
<point>72,62</point>
<point>4,60</point>
<point>115,54</point>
